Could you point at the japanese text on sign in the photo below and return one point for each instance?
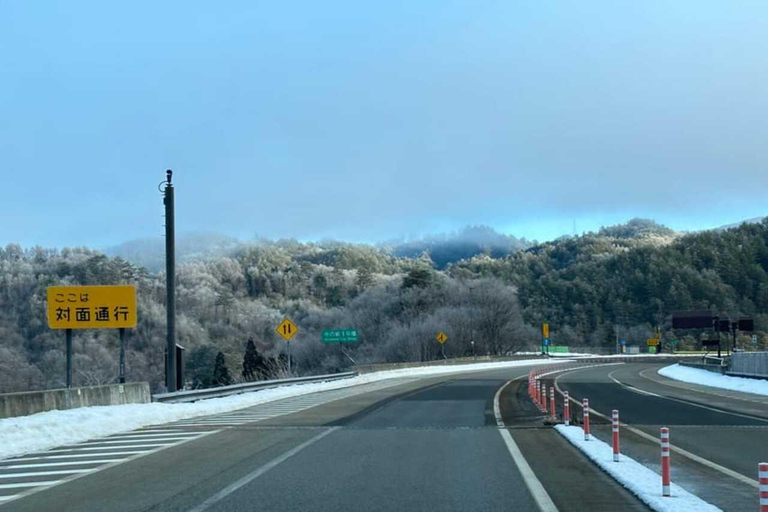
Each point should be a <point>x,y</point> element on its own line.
<point>91,307</point>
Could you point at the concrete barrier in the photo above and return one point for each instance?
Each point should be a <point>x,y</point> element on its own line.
<point>714,368</point>
<point>32,402</point>
<point>750,364</point>
<point>651,358</point>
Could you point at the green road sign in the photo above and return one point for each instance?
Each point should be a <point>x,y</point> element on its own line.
<point>340,336</point>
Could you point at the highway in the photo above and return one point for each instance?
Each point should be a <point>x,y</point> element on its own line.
<point>718,436</point>
<point>412,444</point>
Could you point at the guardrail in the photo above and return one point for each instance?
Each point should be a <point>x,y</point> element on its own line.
<point>236,389</point>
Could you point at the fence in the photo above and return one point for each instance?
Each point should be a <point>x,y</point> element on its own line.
<point>749,364</point>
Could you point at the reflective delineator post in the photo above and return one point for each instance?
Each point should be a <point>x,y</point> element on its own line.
<point>615,429</point>
<point>585,408</point>
<point>665,485</point>
<point>763,478</point>
<point>544,397</point>
<point>552,409</point>
<point>567,410</point>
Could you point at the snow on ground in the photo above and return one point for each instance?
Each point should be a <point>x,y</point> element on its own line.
<point>46,430</point>
<point>641,481</point>
<point>715,380</point>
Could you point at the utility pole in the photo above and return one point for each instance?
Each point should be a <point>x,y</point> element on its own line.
<point>618,346</point>
<point>170,281</point>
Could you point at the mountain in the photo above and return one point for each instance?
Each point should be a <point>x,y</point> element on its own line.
<point>448,248</point>
<point>150,252</point>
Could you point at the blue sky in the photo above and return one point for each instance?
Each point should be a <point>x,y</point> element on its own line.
<point>370,120</point>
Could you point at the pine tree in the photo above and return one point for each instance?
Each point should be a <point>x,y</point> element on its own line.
<point>221,376</point>
<point>252,363</point>
<point>364,278</point>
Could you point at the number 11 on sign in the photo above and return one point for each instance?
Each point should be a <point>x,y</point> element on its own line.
<point>287,329</point>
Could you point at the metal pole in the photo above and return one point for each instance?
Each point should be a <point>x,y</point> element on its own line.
<point>618,350</point>
<point>121,378</point>
<point>69,358</point>
<point>170,286</point>
<point>289,357</point>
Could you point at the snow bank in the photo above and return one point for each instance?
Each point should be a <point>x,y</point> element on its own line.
<point>641,481</point>
<point>715,380</point>
<point>56,428</point>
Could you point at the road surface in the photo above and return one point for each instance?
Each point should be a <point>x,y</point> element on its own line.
<point>411,445</point>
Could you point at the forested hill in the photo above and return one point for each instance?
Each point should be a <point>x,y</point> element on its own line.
<point>634,275</point>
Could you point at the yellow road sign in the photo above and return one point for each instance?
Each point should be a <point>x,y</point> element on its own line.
<point>91,307</point>
<point>287,329</point>
<point>441,337</point>
<point>652,342</point>
<point>545,330</point>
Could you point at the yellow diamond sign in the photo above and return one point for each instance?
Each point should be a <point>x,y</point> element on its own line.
<point>287,329</point>
<point>441,337</point>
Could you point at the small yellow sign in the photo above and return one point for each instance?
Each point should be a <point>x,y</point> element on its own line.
<point>287,329</point>
<point>545,330</point>
<point>441,337</point>
<point>91,307</point>
<point>652,342</point>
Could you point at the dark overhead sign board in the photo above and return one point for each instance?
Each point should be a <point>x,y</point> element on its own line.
<point>746,324</point>
<point>692,320</point>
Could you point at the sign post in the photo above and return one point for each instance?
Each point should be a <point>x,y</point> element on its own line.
<point>442,338</point>
<point>545,338</point>
<point>91,307</point>
<point>287,330</point>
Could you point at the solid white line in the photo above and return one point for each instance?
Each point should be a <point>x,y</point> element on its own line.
<point>701,406</point>
<point>109,448</point>
<point>256,474</point>
<point>129,441</point>
<point>110,454</point>
<point>61,464</point>
<point>684,453</point>
<point>46,473</point>
<point>150,437</point>
<point>540,495</point>
<point>29,484</point>
<point>3,498</point>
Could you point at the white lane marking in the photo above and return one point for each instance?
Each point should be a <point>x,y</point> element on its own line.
<point>540,495</point>
<point>148,437</point>
<point>96,448</point>
<point>129,441</point>
<point>708,391</point>
<point>3,498</point>
<point>75,456</point>
<point>45,473</point>
<point>29,484</point>
<point>701,406</point>
<point>676,449</point>
<point>61,464</point>
<point>256,474</point>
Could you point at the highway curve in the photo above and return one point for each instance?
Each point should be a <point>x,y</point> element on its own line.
<point>426,444</point>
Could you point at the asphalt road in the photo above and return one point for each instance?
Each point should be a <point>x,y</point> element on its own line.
<point>726,432</point>
<point>427,444</point>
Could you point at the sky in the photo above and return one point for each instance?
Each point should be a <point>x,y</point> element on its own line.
<point>367,121</point>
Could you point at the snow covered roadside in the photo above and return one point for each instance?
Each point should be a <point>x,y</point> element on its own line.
<point>56,428</point>
<point>641,481</point>
<point>715,380</point>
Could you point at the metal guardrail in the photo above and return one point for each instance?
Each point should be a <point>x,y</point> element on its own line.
<point>236,389</point>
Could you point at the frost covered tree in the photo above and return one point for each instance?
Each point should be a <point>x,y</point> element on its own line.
<point>221,376</point>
